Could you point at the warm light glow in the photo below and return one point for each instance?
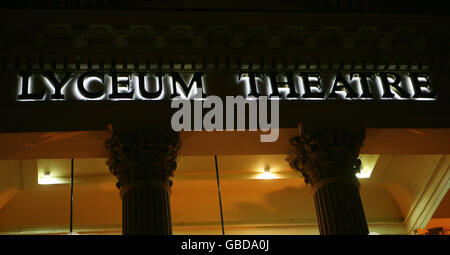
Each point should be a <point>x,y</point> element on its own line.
<point>364,173</point>
<point>267,175</point>
<point>368,162</point>
<point>48,179</point>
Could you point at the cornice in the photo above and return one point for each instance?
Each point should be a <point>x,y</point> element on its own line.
<point>431,196</point>
<point>187,47</point>
<point>188,37</point>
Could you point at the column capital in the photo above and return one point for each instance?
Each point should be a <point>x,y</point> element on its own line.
<point>325,151</point>
<point>142,154</point>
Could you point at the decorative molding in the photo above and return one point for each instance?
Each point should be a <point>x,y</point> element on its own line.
<point>327,150</point>
<point>64,47</point>
<point>436,187</point>
<point>226,37</point>
<point>120,39</point>
<point>199,63</point>
<point>142,154</point>
<point>80,39</point>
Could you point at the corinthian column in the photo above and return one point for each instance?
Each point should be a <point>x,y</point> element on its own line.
<point>327,156</point>
<point>143,160</point>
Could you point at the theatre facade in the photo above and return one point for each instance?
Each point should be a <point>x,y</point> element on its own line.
<point>355,94</point>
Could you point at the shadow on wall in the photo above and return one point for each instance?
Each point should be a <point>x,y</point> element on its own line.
<point>286,205</point>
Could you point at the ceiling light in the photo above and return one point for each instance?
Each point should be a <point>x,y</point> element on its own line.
<point>368,162</point>
<point>364,173</point>
<point>48,179</point>
<point>267,175</point>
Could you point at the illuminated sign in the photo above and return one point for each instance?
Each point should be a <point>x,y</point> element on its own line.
<point>95,85</point>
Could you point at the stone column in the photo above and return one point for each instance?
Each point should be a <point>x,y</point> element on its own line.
<point>327,156</point>
<point>143,160</point>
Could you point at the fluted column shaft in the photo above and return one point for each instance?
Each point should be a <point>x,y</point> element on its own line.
<point>143,160</point>
<point>146,211</point>
<point>327,156</point>
<point>339,209</point>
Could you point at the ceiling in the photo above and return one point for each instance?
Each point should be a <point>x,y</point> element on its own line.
<point>91,144</point>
